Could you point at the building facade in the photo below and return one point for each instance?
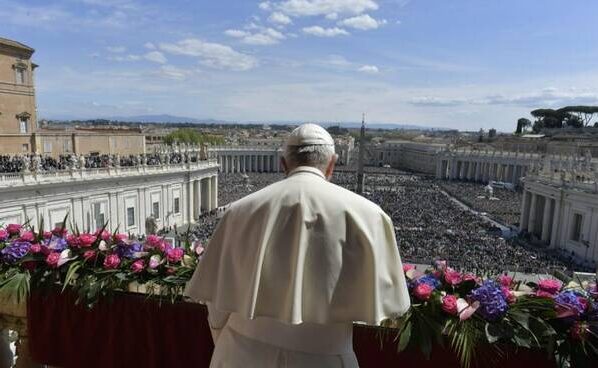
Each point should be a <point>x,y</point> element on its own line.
<point>123,197</point>
<point>18,115</point>
<point>560,210</point>
<point>406,155</point>
<point>244,159</point>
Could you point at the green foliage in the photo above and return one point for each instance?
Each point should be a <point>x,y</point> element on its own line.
<point>192,136</point>
<point>15,286</point>
<point>522,125</point>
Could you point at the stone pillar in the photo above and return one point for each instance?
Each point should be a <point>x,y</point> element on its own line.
<point>525,209</point>
<point>214,191</point>
<point>189,201</point>
<point>260,163</point>
<point>531,226</point>
<point>546,223</point>
<point>556,223</point>
<point>197,198</point>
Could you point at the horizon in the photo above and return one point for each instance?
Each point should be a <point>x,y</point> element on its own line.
<point>465,65</point>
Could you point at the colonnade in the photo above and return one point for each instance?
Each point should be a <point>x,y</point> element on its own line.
<point>203,195</point>
<point>540,216</point>
<point>245,159</point>
<point>481,170</point>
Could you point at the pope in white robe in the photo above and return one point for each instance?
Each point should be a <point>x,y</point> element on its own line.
<point>291,267</point>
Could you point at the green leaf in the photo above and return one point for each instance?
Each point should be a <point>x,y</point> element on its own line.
<point>405,337</point>
<point>70,275</point>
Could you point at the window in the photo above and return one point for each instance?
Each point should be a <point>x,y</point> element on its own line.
<point>23,125</point>
<point>47,147</point>
<point>576,229</point>
<point>25,147</point>
<point>156,210</point>
<point>177,205</point>
<point>20,75</point>
<point>130,216</point>
<point>67,146</point>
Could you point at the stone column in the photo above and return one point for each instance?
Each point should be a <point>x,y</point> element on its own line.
<point>532,213</point>
<point>197,198</point>
<point>525,207</point>
<point>556,222</point>
<point>214,191</point>
<point>189,201</point>
<point>546,223</point>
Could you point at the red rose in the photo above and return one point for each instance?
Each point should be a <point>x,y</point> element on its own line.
<point>449,305</point>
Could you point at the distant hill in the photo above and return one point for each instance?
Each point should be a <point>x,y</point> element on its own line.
<point>162,118</point>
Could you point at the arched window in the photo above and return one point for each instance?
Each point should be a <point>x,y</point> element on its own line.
<point>23,121</point>
<point>20,69</point>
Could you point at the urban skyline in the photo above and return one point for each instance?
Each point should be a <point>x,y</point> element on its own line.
<point>460,65</point>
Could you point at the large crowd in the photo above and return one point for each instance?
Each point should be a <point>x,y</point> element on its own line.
<point>501,204</point>
<point>46,163</point>
<point>428,224</point>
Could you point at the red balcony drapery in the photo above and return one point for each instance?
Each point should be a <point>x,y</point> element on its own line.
<point>135,331</point>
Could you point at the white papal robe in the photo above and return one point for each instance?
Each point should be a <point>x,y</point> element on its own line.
<point>290,267</point>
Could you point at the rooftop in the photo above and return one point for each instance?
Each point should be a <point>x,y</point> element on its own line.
<point>15,44</point>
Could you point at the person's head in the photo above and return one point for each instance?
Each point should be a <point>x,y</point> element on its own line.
<point>309,145</point>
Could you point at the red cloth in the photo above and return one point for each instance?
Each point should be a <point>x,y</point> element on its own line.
<point>135,331</point>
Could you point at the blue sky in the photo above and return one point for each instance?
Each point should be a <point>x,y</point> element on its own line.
<point>466,64</point>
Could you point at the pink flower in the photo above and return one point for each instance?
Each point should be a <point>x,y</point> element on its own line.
<point>174,255</point>
<point>112,261</point>
<point>89,254</point>
<point>423,291</point>
<point>505,280</point>
<point>155,261</point>
<point>408,267</point>
<point>28,236</point>
<point>119,238</point>
<point>86,240</point>
<point>52,259</point>
<point>35,248</point>
<point>584,302</point>
<point>509,295</point>
<point>470,277</point>
<point>153,241</point>
<point>14,229</point>
<point>3,234</point>
<point>72,240</point>
<point>549,287</point>
<point>104,235</point>
<point>138,266</point>
<point>449,304</point>
<point>47,234</point>
<point>452,277</point>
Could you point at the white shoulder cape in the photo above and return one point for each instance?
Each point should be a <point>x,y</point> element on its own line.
<point>303,250</point>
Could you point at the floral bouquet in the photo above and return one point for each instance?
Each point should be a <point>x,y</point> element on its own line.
<point>92,264</point>
<point>468,310</point>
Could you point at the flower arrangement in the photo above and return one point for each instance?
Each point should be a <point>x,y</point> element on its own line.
<point>466,310</point>
<point>91,264</point>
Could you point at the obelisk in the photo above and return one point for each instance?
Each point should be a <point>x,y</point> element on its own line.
<point>360,175</point>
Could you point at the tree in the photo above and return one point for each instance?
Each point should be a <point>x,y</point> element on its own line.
<point>584,114</point>
<point>574,121</point>
<point>549,118</point>
<point>191,136</point>
<point>522,125</point>
<point>492,133</point>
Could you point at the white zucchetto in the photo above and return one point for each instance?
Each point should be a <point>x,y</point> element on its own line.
<point>309,135</point>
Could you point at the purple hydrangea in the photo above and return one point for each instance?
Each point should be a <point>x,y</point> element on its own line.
<point>427,279</point>
<point>125,250</point>
<point>569,299</point>
<point>15,251</point>
<point>56,243</point>
<point>493,304</point>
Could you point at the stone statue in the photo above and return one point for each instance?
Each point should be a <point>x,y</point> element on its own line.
<point>81,162</point>
<point>36,163</point>
<point>150,225</point>
<point>72,162</point>
<point>143,159</point>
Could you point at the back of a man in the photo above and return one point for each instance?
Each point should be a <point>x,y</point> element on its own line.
<point>290,267</point>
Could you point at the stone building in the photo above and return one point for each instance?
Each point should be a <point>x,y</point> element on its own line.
<point>560,208</point>
<point>18,115</point>
<point>174,194</point>
<point>406,155</point>
<point>242,159</point>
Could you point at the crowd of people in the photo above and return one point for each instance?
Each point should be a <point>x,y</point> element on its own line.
<point>47,163</point>
<point>428,223</point>
<point>501,204</point>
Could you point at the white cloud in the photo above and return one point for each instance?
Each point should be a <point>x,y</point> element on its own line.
<point>116,49</point>
<point>149,46</point>
<point>265,5</point>
<point>363,22</point>
<point>279,18</point>
<point>129,57</point>
<point>263,37</point>
<point>369,69</point>
<point>156,57</point>
<point>300,8</point>
<point>332,16</point>
<point>213,55</point>
<point>172,72</point>
<point>325,32</point>
<point>237,33</point>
